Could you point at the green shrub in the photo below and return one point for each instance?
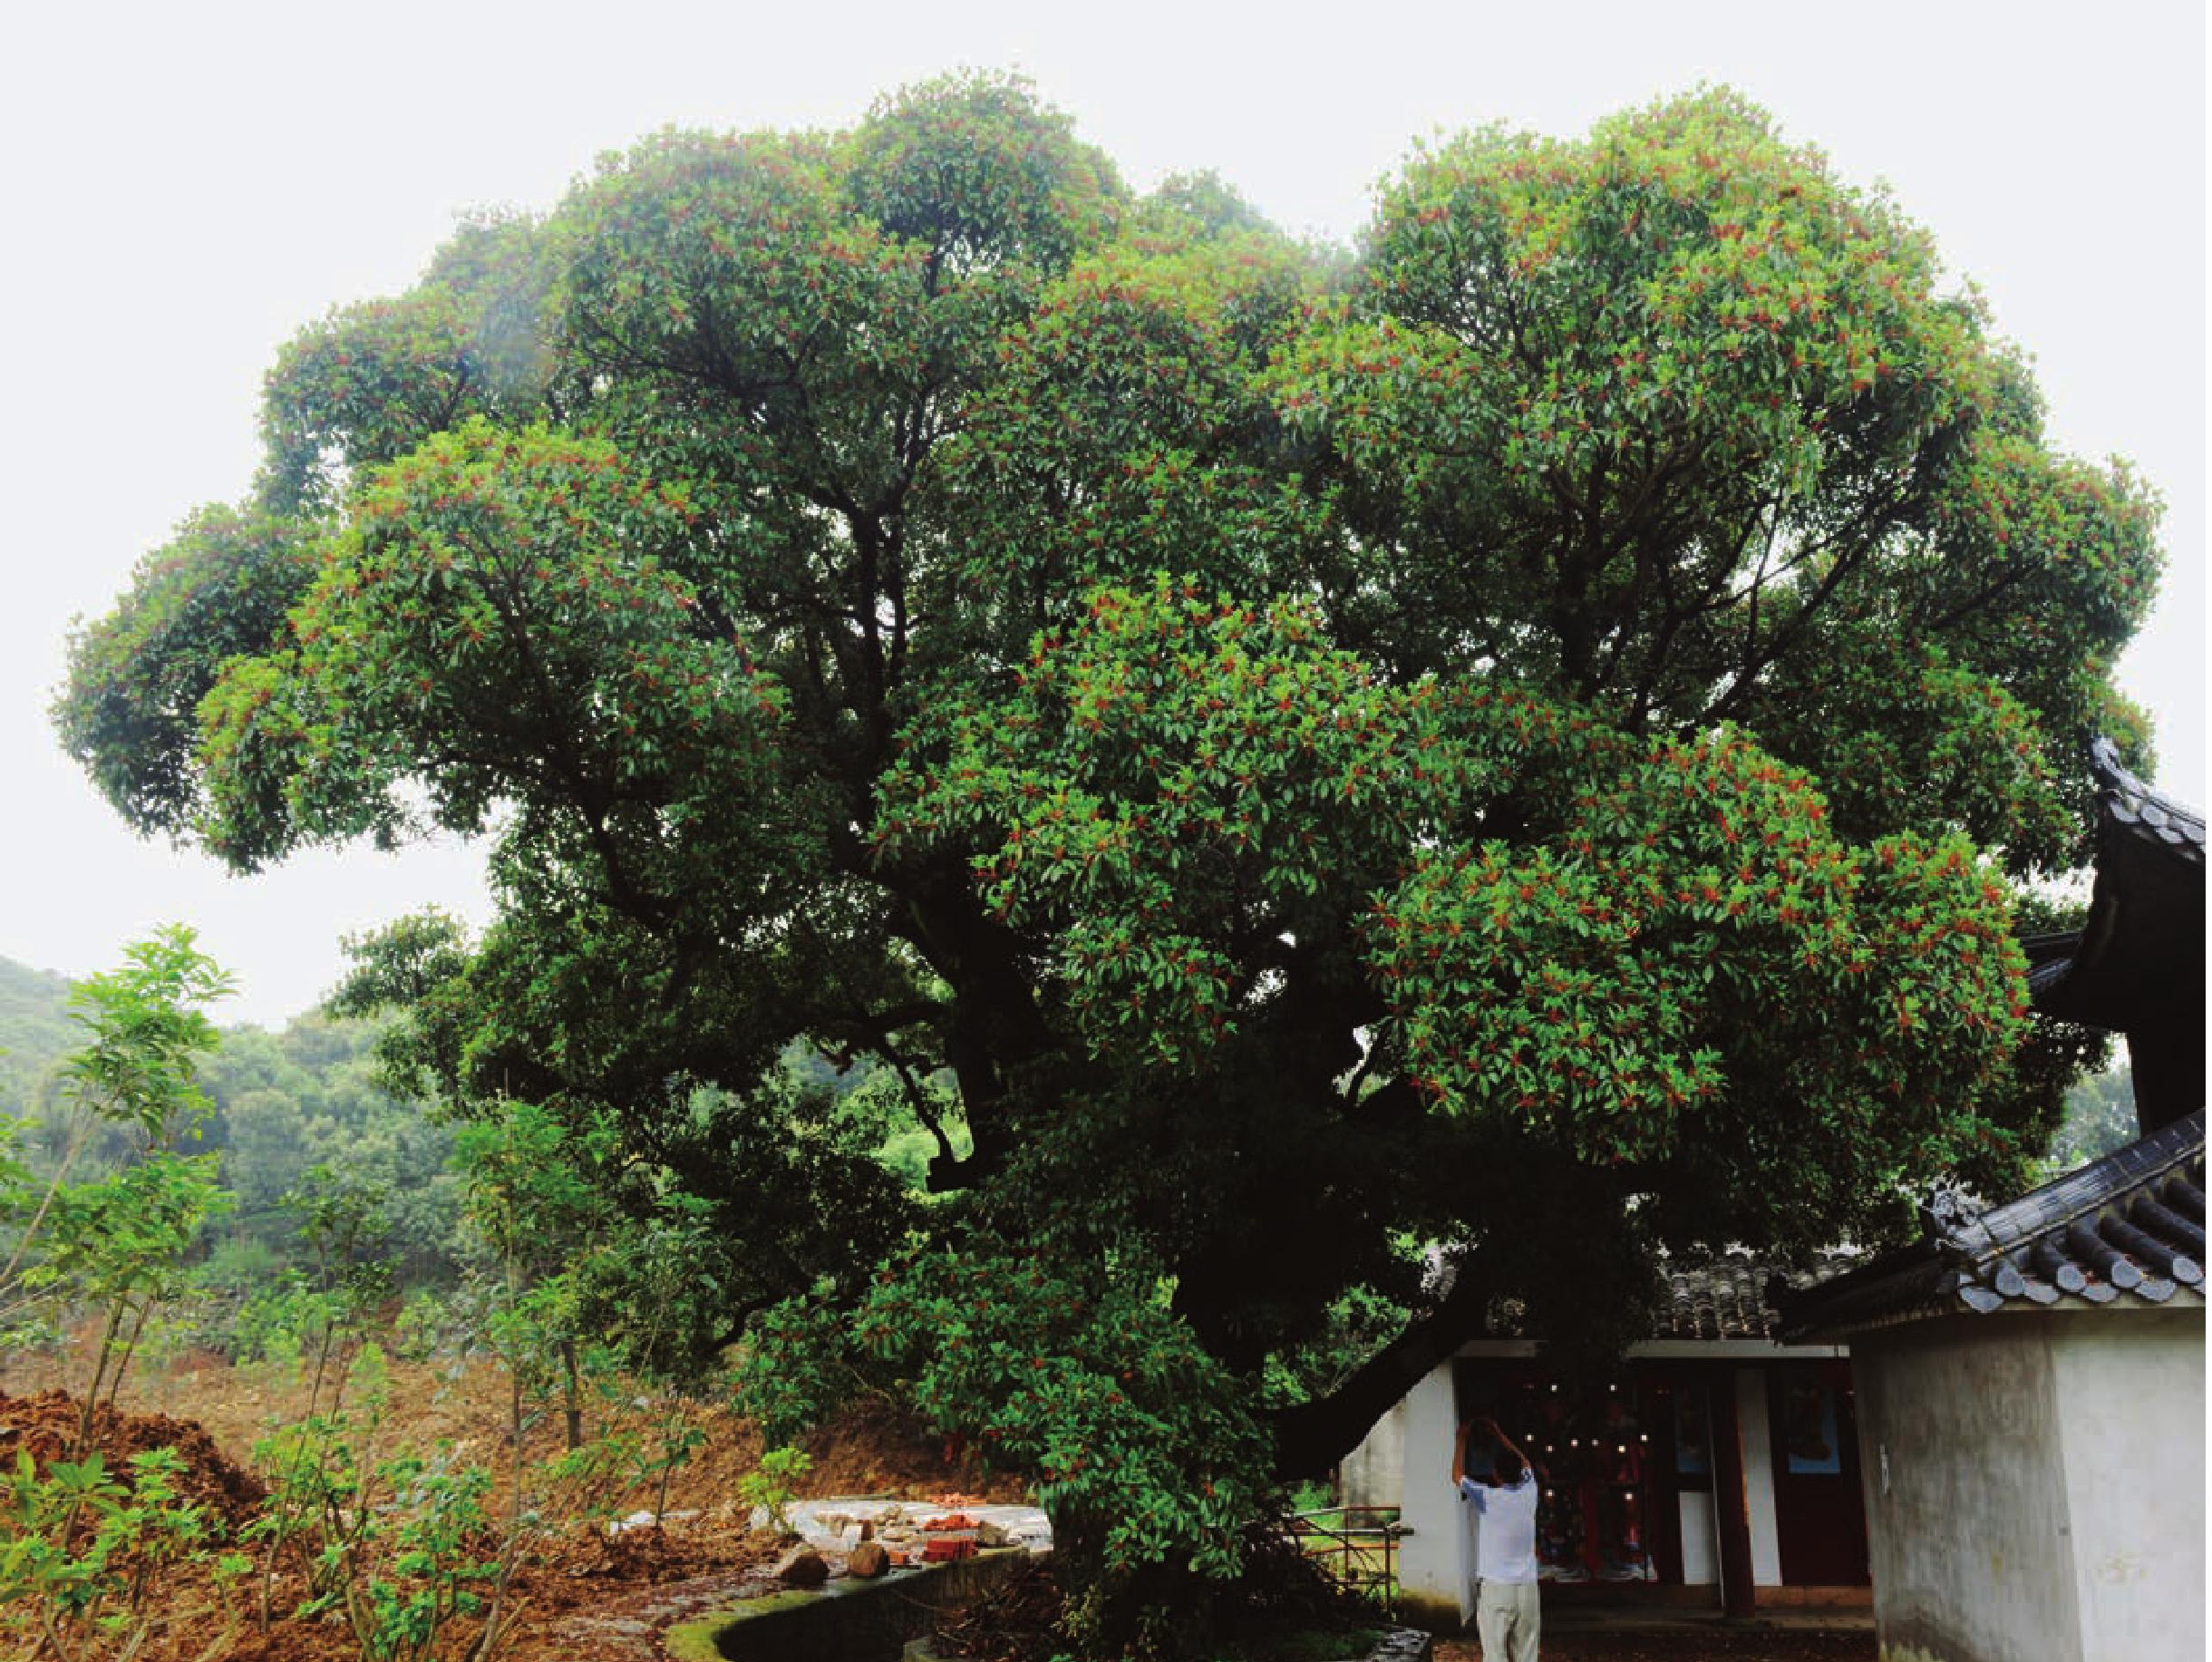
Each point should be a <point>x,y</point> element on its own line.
<point>770,1487</point>
<point>82,1592</point>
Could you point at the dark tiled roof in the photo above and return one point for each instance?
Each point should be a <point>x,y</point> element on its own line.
<point>2136,965</point>
<point>2050,957</point>
<point>2137,810</point>
<point>2132,821</point>
<point>2045,978</point>
<point>2128,1228</point>
<point>1728,1298</point>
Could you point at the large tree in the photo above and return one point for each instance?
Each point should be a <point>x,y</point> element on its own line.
<point>1521,739</point>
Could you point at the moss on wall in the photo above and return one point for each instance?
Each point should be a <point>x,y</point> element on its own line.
<point>847,1621</point>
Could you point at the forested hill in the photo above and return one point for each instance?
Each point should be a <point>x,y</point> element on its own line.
<point>284,1101</point>
<point>307,1096</point>
<point>35,1031</point>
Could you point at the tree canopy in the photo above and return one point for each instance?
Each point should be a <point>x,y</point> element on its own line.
<point>1521,738</point>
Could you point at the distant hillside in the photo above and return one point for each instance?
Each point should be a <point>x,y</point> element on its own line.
<point>36,1031</point>
<point>282,1104</point>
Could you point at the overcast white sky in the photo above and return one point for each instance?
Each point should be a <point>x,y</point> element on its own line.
<point>186,185</point>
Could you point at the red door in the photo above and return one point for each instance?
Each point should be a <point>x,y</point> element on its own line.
<point>1820,1509</point>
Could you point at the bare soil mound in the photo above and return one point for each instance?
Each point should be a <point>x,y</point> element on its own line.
<point>45,1423</point>
<point>872,1448</point>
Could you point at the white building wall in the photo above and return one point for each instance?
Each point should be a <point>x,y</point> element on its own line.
<point>1436,1560</point>
<point>1374,1474</point>
<point>1757,1437</point>
<point>2130,1391</point>
<point>1966,1506</point>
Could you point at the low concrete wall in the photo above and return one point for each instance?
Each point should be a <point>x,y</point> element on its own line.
<point>1396,1645</point>
<point>850,1621</point>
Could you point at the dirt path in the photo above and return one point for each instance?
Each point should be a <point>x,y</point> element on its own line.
<point>628,1624</point>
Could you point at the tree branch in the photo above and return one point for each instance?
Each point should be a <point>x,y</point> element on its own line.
<point>1312,1436</point>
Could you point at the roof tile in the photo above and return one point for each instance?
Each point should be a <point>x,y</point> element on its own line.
<point>2131,1224</point>
<point>1731,1297</point>
<point>2147,813</point>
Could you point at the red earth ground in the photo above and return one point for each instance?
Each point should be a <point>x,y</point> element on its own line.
<point>580,1597</point>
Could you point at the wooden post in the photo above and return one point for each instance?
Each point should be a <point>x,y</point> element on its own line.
<point>1731,1508</point>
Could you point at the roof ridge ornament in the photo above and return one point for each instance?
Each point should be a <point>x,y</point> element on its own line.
<point>1953,1216</point>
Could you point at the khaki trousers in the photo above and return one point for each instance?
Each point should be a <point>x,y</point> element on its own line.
<point>1506,1617</point>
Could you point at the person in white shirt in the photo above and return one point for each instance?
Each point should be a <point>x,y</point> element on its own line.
<point>1507,1614</point>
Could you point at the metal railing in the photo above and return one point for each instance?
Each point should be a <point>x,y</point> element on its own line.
<point>1356,1547</point>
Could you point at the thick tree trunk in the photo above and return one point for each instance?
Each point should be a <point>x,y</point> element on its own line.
<point>993,1027</point>
<point>1313,1436</point>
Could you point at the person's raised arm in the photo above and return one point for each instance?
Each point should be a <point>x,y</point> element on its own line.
<point>1459,1455</point>
<point>1512,1448</point>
